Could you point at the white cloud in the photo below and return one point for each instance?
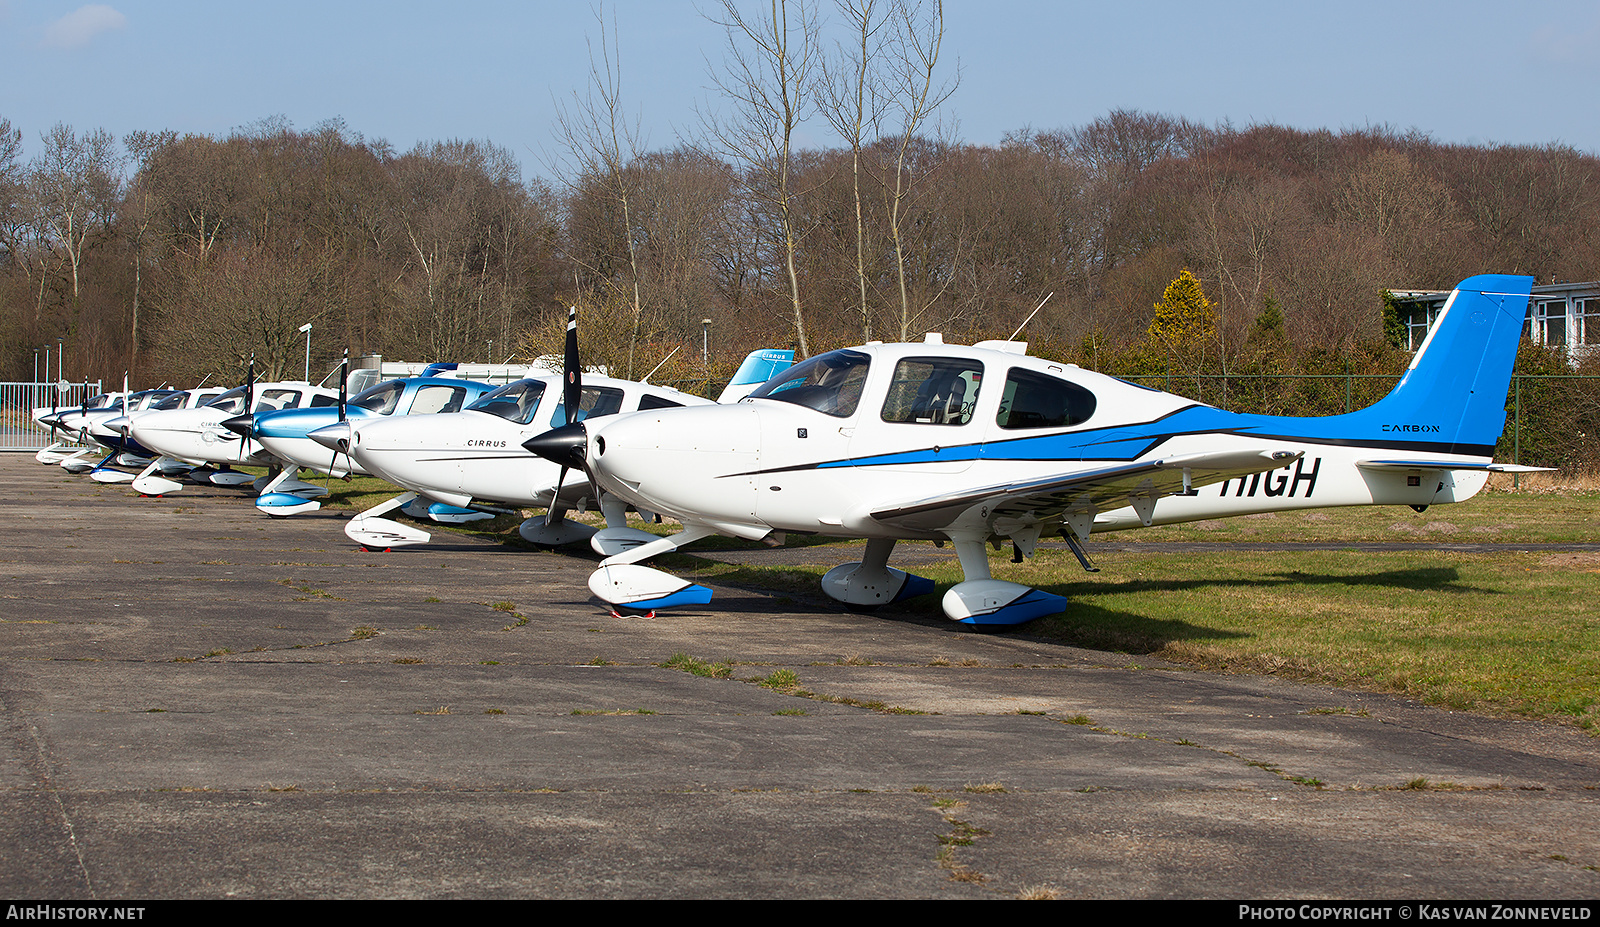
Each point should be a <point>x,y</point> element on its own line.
<point>78,28</point>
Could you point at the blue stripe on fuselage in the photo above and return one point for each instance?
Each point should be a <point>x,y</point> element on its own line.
<point>1130,441</point>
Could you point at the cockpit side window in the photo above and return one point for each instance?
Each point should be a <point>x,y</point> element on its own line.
<point>515,402</point>
<point>651,401</point>
<point>273,399</point>
<point>593,403</point>
<point>1036,400</point>
<point>933,391</point>
<point>381,399</point>
<point>434,399</point>
<point>149,399</point>
<point>830,383</point>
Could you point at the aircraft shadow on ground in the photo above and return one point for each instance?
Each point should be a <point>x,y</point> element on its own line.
<point>1097,626</point>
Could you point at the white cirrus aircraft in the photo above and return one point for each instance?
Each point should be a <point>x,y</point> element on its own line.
<point>973,445</point>
<point>198,436</point>
<point>473,459</point>
<point>81,425</point>
<point>115,434</point>
<point>286,433</point>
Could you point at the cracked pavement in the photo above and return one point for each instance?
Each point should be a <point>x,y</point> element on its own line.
<point>200,701</point>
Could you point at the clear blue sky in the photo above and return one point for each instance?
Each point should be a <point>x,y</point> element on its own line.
<point>409,71</point>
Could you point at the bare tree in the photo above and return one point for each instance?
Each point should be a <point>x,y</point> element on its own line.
<point>139,212</point>
<point>852,96</point>
<point>917,95</point>
<point>76,184</point>
<point>767,78</point>
<point>600,143</point>
<point>13,215</point>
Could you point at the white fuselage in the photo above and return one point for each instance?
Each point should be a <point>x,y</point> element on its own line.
<point>477,455</point>
<point>769,465</point>
<point>198,436</point>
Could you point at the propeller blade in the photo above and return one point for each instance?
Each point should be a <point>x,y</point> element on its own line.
<point>250,384</point>
<point>572,372</point>
<point>344,396</point>
<point>569,445</point>
<point>344,382</point>
<point>551,509</point>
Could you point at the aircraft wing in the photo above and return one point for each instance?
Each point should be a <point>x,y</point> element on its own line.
<point>1085,492</point>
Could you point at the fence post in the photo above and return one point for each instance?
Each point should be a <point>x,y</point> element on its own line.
<point>1516,430</point>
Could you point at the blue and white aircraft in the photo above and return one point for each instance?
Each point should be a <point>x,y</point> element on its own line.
<point>198,436</point>
<point>286,433</point>
<point>973,445</point>
<point>473,459</point>
<point>116,434</point>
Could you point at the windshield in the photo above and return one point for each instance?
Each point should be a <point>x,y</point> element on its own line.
<point>175,401</point>
<point>829,383</point>
<point>515,402</point>
<point>231,402</point>
<point>149,398</point>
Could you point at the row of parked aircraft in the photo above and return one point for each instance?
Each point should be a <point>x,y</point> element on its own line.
<point>966,445</point>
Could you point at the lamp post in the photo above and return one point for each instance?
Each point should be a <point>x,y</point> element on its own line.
<point>705,343</point>
<point>306,330</point>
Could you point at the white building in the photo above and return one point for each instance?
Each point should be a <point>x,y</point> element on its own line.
<point>1562,315</point>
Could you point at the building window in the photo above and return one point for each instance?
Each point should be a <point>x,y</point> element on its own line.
<point>1418,318</point>
<point>1547,322</point>
<point>1587,321</point>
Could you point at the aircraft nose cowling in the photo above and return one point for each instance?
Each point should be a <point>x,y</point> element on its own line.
<point>566,445</point>
<point>240,425</point>
<point>120,425</point>
<point>335,437</point>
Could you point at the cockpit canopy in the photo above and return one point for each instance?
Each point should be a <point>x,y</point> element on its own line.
<point>266,399</point>
<point>933,390</point>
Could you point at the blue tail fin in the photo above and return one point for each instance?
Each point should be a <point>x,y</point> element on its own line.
<point>1453,396</point>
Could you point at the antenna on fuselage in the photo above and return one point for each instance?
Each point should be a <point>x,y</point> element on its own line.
<point>660,365</point>
<point>1031,315</point>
